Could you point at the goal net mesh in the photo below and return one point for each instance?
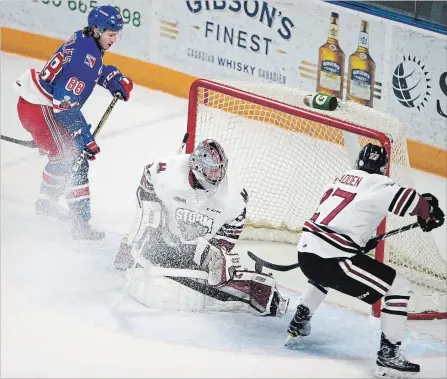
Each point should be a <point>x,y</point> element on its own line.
<point>286,160</point>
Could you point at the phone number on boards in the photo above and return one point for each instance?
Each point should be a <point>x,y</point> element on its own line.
<point>129,16</point>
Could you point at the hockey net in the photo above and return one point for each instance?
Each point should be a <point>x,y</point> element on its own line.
<point>287,152</point>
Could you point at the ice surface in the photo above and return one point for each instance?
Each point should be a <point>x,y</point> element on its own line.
<point>56,294</point>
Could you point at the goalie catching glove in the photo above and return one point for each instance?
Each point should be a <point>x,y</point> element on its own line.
<point>436,215</point>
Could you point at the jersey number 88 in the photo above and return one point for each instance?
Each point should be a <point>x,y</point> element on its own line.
<point>52,68</point>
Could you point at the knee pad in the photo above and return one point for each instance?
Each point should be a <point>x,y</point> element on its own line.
<point>54,177</point>
<point>395,301</point>
<point>313,296</point>
<point>394,309</point>
<point>399,287</point>
<point>80,176</point>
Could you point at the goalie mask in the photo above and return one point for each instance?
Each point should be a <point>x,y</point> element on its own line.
<point>372,159</point>
<point>209,163</point>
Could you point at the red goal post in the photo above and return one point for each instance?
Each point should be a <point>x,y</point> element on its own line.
<point>218,110</point>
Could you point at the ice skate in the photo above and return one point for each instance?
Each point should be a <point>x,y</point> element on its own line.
<point>82,230</point>
<point>299,326</point>
<point>392,364</point>
<point>279,305</point>
<point>124,260</point>
<point>50,208</point>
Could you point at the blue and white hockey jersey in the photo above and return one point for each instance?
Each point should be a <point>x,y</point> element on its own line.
<point>67,80</point>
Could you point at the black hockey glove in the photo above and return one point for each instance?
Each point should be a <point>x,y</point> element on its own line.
<point>436,216</point>
<point>370,245</point>
<point>432,200</point>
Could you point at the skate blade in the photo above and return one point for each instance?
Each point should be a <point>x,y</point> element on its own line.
<point>96,237</point>
<point>386,372</point>
<point>292,341</point>
<point>55,216</point>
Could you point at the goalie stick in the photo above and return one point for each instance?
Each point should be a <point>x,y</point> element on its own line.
<point>32,144</point>
<point>182,146</point>
<point>260,263</point>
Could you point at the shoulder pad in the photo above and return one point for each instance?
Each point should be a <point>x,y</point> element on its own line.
<point>161,166</point>
<point>147,168</point>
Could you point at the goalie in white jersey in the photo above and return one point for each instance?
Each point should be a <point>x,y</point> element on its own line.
<point>332,248</point>
<point>190,215</point>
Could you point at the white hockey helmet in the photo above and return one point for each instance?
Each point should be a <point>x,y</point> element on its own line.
<point>209,163</point>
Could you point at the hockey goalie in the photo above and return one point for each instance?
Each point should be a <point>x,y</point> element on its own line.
<point>180,251</point>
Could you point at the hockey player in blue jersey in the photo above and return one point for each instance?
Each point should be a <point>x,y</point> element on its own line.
<point>49,107</point>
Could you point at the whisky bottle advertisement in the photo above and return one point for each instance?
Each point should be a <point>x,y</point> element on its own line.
<point>331,62</point>
<point>361,71</point>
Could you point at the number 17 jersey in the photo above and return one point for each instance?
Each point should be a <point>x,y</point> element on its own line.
<point>350,211</point>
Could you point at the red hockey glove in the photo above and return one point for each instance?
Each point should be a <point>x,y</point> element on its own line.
<point>91,149</point>
<point>122,85</point>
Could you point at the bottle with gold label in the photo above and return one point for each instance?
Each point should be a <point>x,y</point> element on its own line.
<point>331,63</point>
<point>361,71</point>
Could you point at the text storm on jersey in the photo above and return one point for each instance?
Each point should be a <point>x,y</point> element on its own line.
<point>193,224</point>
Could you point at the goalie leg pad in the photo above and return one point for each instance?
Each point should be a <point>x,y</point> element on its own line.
<point>158,287</point>
<point>123,259</point>
<point>185,289</point>
<point>148,219</point>
<point>259,291</point>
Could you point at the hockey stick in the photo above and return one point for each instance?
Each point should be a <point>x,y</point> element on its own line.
<point>77,165</point>
<point>395,231</point>
<point>106,115</point>
<point>260,263</point>
<point>117,304</point>
<point>182,146</point>
<point>30,144</point>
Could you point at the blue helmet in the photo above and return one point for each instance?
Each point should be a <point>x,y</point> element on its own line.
<point>105,17</point>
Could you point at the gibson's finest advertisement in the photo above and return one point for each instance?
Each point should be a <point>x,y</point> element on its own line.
<point>315,47</point>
